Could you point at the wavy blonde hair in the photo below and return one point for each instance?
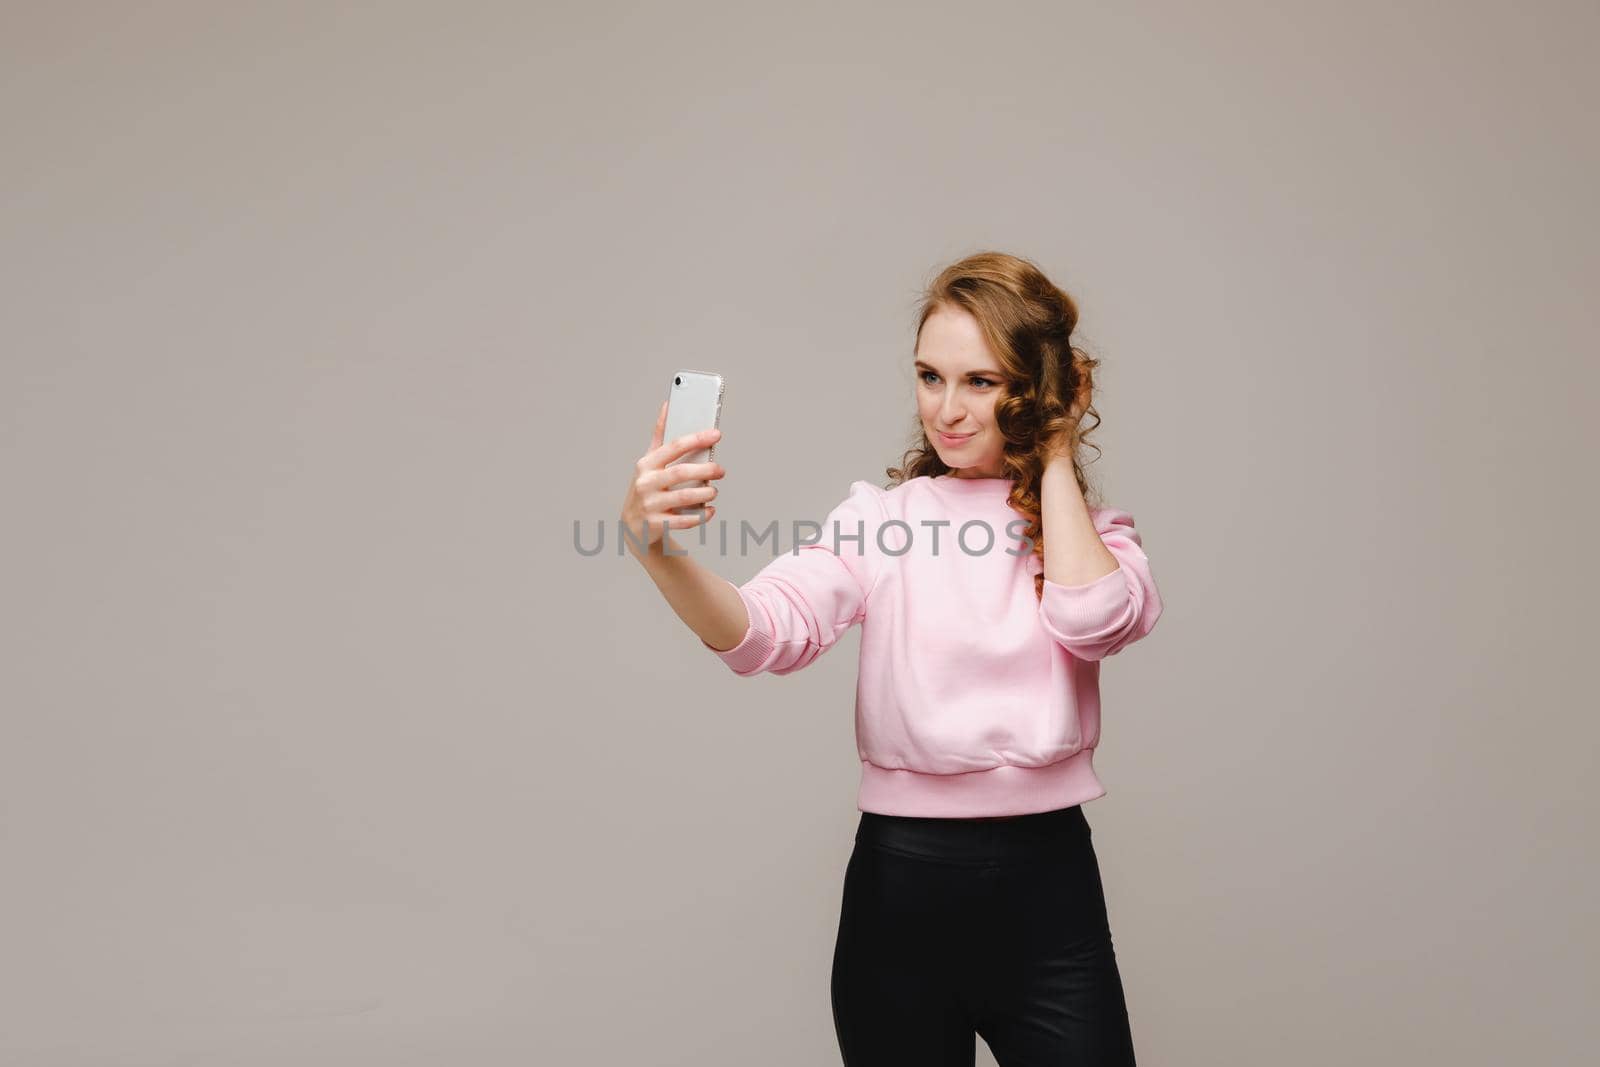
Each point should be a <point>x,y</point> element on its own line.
<point>1027,323</point>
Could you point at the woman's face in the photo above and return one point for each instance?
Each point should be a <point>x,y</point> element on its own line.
<point>957,384</point>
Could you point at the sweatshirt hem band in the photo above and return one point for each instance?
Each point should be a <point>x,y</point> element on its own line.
<point>1003,790</point>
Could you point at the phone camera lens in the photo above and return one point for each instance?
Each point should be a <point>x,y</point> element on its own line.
<point>677,380</point>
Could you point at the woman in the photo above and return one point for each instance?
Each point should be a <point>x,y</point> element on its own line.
<point>972,900</point>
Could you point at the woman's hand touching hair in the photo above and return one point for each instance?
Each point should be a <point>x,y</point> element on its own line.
<point>1062,433</point>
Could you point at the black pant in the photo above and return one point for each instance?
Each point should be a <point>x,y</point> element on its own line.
<point>956,927</point>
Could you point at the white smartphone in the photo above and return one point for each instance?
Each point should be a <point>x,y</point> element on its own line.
<point>694,403</point>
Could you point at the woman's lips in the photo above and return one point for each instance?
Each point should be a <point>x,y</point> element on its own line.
<point>954,439</point>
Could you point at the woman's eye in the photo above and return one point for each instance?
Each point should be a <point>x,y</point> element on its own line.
<point>983,383</point>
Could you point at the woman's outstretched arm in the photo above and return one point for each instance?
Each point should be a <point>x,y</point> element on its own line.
<point>708,605</point>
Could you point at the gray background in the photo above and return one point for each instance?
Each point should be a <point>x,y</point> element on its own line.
<point>322,744</point>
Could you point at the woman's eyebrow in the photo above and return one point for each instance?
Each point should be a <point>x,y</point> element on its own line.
<point>919,364</point>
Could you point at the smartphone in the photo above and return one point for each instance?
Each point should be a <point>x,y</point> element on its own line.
<point>694,403</point>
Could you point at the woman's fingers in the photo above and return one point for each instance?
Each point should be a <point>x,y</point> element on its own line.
<point>661,427</point>
<point>662,455</point>
<point>683,472</point>
<point>656,473</point>
<point>694,495</point>
<point>678,473</point>
<point>678,522</point>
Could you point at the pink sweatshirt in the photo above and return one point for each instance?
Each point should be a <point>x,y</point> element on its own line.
<point>973,697</point>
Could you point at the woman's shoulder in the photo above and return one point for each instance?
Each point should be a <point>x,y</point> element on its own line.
<point>867,499</point>
<point>886,492</point>
<point>887,501</point>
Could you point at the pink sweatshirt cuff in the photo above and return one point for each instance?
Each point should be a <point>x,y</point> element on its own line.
<point>756,647</point>
<point>1089,611</point>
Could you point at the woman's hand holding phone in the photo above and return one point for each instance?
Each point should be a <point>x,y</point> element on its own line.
<point>650,504</point>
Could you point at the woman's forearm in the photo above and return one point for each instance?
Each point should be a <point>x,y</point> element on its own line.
<point>705,601</point>
<point>1073,551</point>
